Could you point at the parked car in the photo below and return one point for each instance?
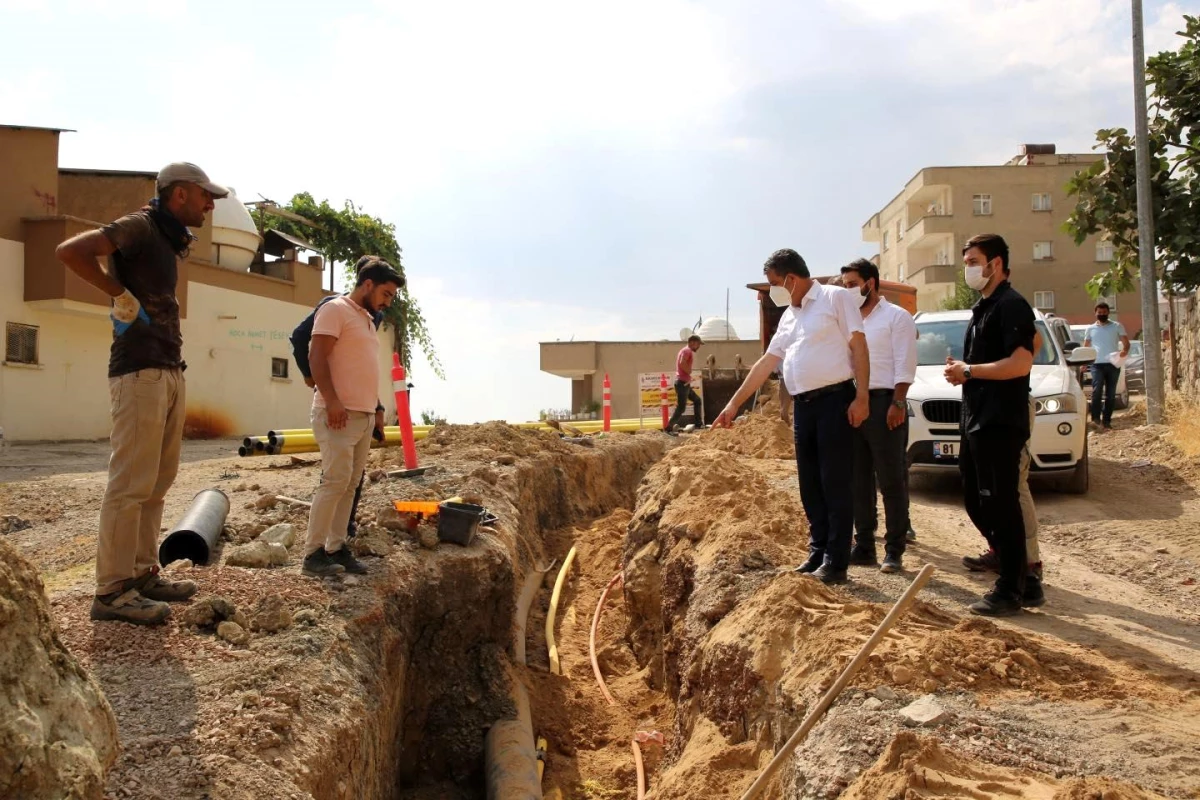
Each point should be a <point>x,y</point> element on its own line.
<point>1135,367</point>
<point>1085,374</point>
<point>1059,437</point>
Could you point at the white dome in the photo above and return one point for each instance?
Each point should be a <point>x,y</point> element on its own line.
<point>235,237</point>
<point>715,329</point>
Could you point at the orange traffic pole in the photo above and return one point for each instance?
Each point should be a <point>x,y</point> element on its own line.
<point>607,404</point>
<point>404,417</point>
<point>665,415</point>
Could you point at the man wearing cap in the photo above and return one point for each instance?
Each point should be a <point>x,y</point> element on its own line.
<point>683,384</point>
<point>145,385</point>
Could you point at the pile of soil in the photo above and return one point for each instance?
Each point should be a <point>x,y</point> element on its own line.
<point>757,435</point>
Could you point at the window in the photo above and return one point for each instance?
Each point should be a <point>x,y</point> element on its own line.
<point>279,367</point>
<point>943,258</point>
<point>982,204</point>
<point>1043,301</point>
<point>901,272</point>
<point>1104,251</point>
<point>899,230</point>
<point>1041,201</point>
<point>885,240</point>
<point>1043,251</point>
<point>20,343</point>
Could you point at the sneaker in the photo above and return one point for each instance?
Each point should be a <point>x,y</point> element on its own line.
<point>995,604</point>
<point>318,564</point>
<point>987,561</point>
<point>910,535</point>
<point>153,587</point>
<point>863,557</point>
<point>891,565</point>
<point>1033,596</point>
<point>829,576</point>
<point>129,606</point>
<point>812,565</point>
<point>348,561</point>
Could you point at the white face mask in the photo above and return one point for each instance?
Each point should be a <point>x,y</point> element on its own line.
<point>863,295</point>
<point>781,296</point>
<point>974,278</point>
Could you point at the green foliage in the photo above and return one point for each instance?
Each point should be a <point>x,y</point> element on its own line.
<point>346,234</point>
<point>964,296</point>
<point>430,417</point>
<point>1106,193</point>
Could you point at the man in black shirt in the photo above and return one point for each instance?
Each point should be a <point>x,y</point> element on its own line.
<point>994,375</point>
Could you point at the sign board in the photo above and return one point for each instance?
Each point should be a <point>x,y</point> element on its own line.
<point>650,393</point>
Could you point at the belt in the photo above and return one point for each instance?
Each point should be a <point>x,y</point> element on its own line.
<point>881,392</point>
<point>812,394</point>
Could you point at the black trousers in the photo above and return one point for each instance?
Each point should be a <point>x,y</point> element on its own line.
<point>825,466</point>
<point>880,459</point>
<point>990,464</point>
<point>683,393</point>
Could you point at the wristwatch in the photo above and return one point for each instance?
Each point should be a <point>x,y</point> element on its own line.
<point>967,372</point>
<point>900,404</point>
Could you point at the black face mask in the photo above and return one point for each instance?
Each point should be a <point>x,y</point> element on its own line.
<point>176,232</point>
<point>1102,317</point>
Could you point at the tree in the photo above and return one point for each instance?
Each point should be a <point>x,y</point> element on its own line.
<point>964,296</point>
<point>430,417</point>
<point>344,235</point>
<point>1106,193</point>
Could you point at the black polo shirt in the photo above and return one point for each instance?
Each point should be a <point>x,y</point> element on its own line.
<point>999,325</point>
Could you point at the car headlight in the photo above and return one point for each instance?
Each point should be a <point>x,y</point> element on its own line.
<point>1055,404</point>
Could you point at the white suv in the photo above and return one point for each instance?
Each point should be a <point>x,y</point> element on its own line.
<point>1059,440</point>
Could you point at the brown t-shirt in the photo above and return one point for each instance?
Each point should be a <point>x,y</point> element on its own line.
<point>145,264</point>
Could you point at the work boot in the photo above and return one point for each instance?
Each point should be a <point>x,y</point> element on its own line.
<point>863,556</point>
<point>891,565</point>
<point>129,606</point>
<point>987,561</point>
<point>318,564</point>
<point>348,561</point>
<point>1033,595</point>
<point>829,576</point>
<point>153,587</point>
<point>996,604</point>
<point>815,560</point>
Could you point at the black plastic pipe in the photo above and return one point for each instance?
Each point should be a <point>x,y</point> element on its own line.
<point>196,534</point>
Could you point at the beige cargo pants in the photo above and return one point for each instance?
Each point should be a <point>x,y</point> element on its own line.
<point>147,436</point>
<point>1028,512</point>
<point>343,457</point>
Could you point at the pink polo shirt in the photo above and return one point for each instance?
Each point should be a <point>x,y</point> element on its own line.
<point>354,360</point>
<point>683,364</point>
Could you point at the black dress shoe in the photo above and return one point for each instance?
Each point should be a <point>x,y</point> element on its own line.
<point>812,565</point>
<point>995,604</point>
<point>864,557</point>
<point>829,576</point>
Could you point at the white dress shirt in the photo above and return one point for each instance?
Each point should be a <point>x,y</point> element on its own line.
<point>892,342</point>
<point>813,339</point>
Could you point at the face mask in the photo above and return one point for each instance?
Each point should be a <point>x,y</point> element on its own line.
<point>1102,317</point>
<point>863,295</point>
<point>975,279</point>
<point>781,296</point>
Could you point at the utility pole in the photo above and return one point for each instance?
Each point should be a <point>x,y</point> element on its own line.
<point>1151,334</point>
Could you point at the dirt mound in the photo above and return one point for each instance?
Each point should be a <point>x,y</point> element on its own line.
<point>917,767</point>
<point>758,436</point>
<point>59,735</point>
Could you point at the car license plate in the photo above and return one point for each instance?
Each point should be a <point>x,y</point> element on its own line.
<point>945,449</point>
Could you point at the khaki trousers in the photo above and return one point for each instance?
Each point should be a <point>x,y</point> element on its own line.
<point>343,459</point>
<point>1028,512</point>
<point>147,435</point>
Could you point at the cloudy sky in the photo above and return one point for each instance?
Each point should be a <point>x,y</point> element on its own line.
<point>566,169</point>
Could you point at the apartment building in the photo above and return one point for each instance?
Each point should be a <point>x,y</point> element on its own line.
<point>922,230</point>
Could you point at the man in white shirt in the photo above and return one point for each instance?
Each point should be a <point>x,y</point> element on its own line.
<point>826,368</point>
<point>880,443</point>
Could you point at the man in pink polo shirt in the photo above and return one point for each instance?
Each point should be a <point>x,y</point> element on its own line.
<point>344,356</point>
<point>683,384</point>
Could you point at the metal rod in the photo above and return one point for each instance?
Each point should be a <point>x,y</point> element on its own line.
<point>1151,333</point>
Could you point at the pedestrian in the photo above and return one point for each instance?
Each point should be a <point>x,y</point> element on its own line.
<point>1109,339</point>
<point>881,442</point>
<point>301,338</point>
<point>826,368</point>
<point>683,384</point>
<point>145,386</point>
<point>994,376</point>
<point>344,357</point>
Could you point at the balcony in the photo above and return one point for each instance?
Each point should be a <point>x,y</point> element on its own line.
<point>933,274</point>
<point>922,232</point>
<point>568,359</point>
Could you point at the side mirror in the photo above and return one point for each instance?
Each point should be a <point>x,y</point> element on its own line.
<point>1069,346</point>
<point>1081,356</point>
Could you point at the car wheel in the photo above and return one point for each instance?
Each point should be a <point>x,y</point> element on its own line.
<point>1122,400</point>
<point>1077,483</point>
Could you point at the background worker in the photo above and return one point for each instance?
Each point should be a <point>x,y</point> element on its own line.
<point>1109,339</point>
<point>826,367</point>
<point>345,366</point>
<point>881,442</point>
<point>145,384</point>
<point>301,338</point>
<point>683,384</point>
